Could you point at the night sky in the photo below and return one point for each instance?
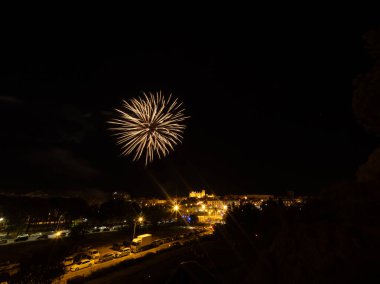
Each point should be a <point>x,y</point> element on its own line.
<point>270,108</point>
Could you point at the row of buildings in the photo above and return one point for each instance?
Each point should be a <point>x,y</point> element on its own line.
<point>212,208</point>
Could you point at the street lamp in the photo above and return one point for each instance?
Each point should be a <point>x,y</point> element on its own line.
<point>176,210</point>
<point>59,220</point>
<point>2,222</point>
<point>140,219</point>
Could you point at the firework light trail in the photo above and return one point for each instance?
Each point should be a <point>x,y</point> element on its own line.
<point>150,126</point>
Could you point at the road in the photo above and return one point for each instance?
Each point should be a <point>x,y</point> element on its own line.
<point>214,262</point>
<point>99,266</point>
<point>16,251</point>
<point>153,270</point>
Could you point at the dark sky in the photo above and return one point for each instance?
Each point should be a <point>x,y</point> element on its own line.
<point>270,108</point>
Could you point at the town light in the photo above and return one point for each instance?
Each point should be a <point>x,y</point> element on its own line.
<point>225,207</point>
<point>176,207</point>
<point>140,220</point>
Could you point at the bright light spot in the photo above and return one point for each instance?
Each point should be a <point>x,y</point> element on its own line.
<point>141,219</point>
<point>1,219</point>
<point>149,126</point>
<point>225,207</point>
<point>176,207</point>
<point>203,206</point>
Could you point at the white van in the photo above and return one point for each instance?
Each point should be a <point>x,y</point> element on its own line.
<point>94,254</point>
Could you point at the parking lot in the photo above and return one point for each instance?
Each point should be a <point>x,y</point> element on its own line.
<point>103,242</point>
<point>107,249</point>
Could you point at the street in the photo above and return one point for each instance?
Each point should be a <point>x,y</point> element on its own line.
<point>99,266</point>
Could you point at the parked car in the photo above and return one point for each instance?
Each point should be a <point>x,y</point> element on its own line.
<point>62,233</point>
<point>157,243</point>
<point>167,240</point>
<point>23,237</point>
<point>81,256</point>
<point>43,237</point>
<point>124,252</point>
<point>102,228</point>
<point>36,235</point>
<point>94,254</point>
<point>84,263</point>
<point>117,246</point>
<point>175,244</point>
<point>68,261</point>
<point>106,257</point>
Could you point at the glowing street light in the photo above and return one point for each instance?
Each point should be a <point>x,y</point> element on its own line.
<point>176,209</point>
<point>140,220</point>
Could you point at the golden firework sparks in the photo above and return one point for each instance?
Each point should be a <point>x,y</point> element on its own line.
<point>149,125</point>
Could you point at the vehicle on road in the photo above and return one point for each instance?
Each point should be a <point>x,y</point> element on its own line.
<point>175,244</point>
<point>124,252</point>
<point>43,237</point>
<point>23,237</point>
<point>118,246</point>
<point>167,240</point>
<point>80,257</point>
<point>84,263</point>
<point>94,254</point>
<point>103,229</point>
<point>68,261</point>
<point>62,233</point>
<point>36,235</point>
<point>142,242</point>
<point>58,234</point>
<point>157,243</point>
<point>107,257</point>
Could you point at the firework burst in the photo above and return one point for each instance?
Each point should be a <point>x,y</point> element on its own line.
<point>150,126</point>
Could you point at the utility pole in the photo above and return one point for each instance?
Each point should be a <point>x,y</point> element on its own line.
<point>59,220</point>
<point>140,219</point>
